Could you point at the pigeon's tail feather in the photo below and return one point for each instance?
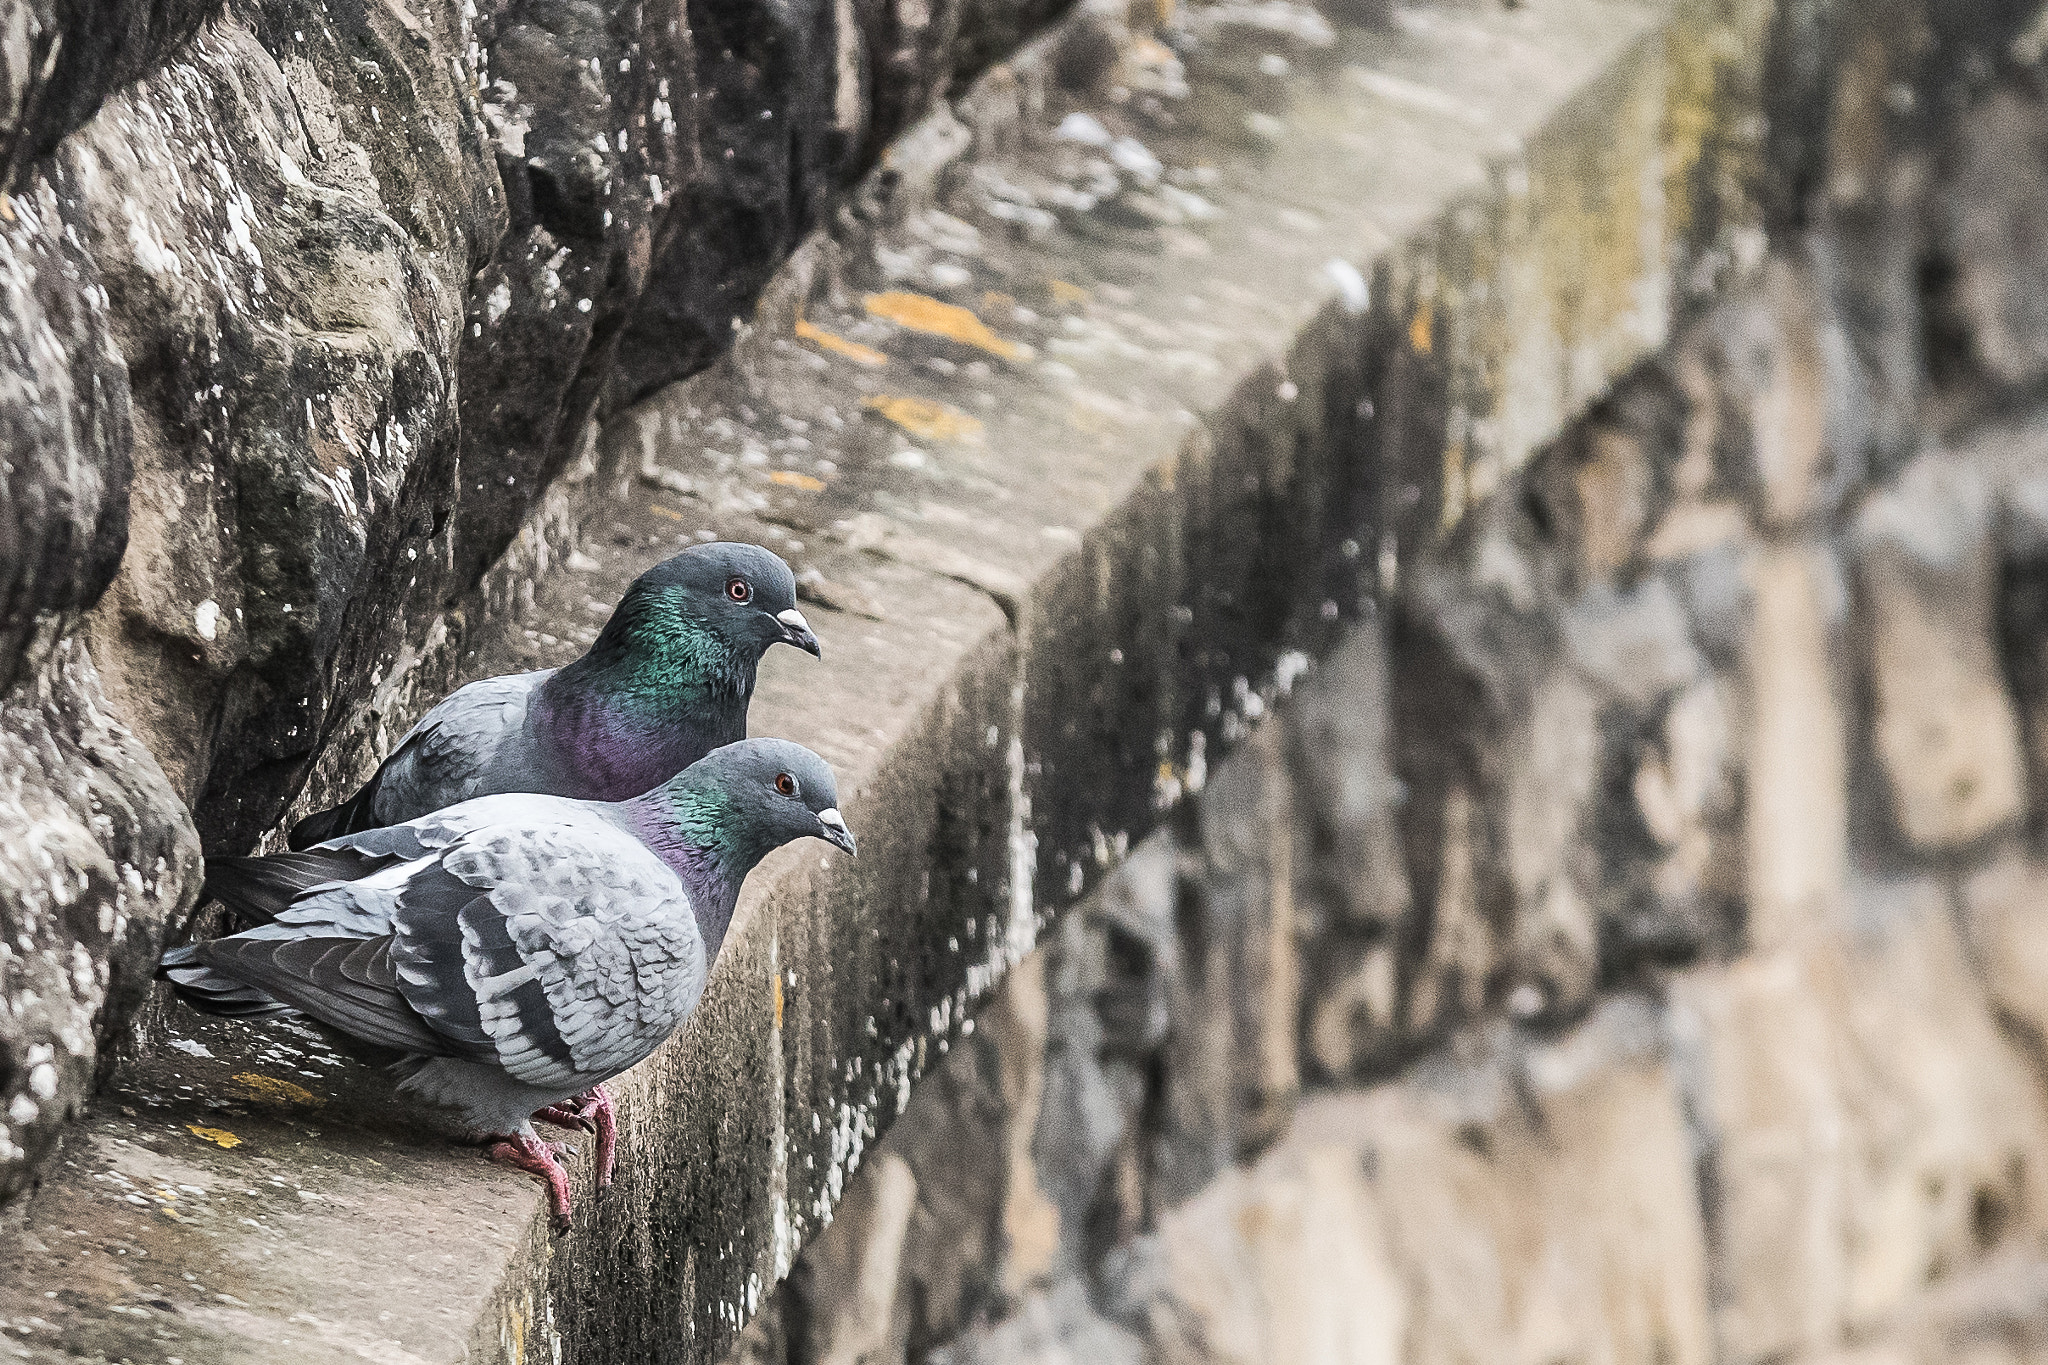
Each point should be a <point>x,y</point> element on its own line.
<point>209,992</point>
<point>260,889</point>
<point>352,816</point>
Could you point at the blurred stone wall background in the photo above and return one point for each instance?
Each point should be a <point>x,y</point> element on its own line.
<point>1632,944</point>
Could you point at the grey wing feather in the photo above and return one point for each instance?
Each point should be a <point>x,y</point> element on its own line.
<point>448,756</point>
<point>259,889</point>
<point>578,954</point>
<point>345,982</point>
<point>471,742</point>
<point>357,909</point>
<point>404,854</point>
<point>212,992</point>
<point>440,829</point>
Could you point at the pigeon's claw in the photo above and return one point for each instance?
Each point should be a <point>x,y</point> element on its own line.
<point>606,1120</point>
<point>565,1115</point>
<point>589,1112</point>
<point>528,1153</point>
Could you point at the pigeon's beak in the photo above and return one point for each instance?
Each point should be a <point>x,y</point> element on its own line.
<point>797,631</point>
<point>832,827</point>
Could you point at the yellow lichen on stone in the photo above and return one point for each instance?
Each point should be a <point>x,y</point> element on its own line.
<point>1148,52</point>
<point>1421,330</point>
<point>219,1137</point>
<point>1454,485</point>
<point>921,313</point>
<point>789,478</point>
<point>274,1091</point>
<point>1597,250</point>
<point>512,1332</point>
<point>839,345</point>
<point>1062,292</point>
<point>924,419</point>
<point>1690,118</point>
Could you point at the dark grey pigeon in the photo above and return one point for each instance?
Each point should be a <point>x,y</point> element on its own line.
<point>667,682</point>
<point>513,953</point>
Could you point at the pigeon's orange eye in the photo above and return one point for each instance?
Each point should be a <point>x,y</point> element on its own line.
<point>739,590</point>
<point>785,784</point>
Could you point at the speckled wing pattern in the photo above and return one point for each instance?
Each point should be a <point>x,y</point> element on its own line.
<point>574,954</point>
<point>528,931</point>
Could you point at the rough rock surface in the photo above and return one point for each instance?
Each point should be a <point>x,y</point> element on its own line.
<point>304,309</point>
<point>95,868</point>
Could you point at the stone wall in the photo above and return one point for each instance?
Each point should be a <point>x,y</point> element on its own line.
<point>1632,911</point>
<point>1065,424</point>
<point>304,307</point>
<point>1627,944</point>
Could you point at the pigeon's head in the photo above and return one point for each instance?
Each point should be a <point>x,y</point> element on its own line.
<point>775,791</point>
<point>743,594</point>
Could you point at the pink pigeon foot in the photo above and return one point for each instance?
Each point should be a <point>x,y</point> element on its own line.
<point>536,1158</point>
<point>563,1115</point>
<point>590,1112</point>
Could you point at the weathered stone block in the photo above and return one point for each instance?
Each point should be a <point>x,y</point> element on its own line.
<point>1447,1218</point>
<point>1943,727</point>
<point>2018,457</point>
<point>97,862</point>
<point>1795,761</point>
<point>1989,211</point>
<point>855,1317</point>
<point>262,526</point>
<point>1286,1263</point>
<point>1245,882</point>
<point>1350,799</point>
<point>1870,1128</point>
<point>1656,859</point>
<point>64,423</point>
<point>1778,417</point>
<point>2005,917</point>
<point>1572,764</point>
<point>1351,875</point>
<point>1686,797</point>
<point>58,61</point>
<point>1058,1326</point>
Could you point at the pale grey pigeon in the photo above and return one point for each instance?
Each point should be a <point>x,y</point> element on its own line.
<point>667,681</point>
<point>513,953</point>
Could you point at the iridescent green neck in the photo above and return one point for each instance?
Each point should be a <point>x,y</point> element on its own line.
<point>662,663</point>
<point>661,688</point>
<point>696,829</point>
<point>703,818</point>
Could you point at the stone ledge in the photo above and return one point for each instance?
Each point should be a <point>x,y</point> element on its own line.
<point>1198,441</point>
